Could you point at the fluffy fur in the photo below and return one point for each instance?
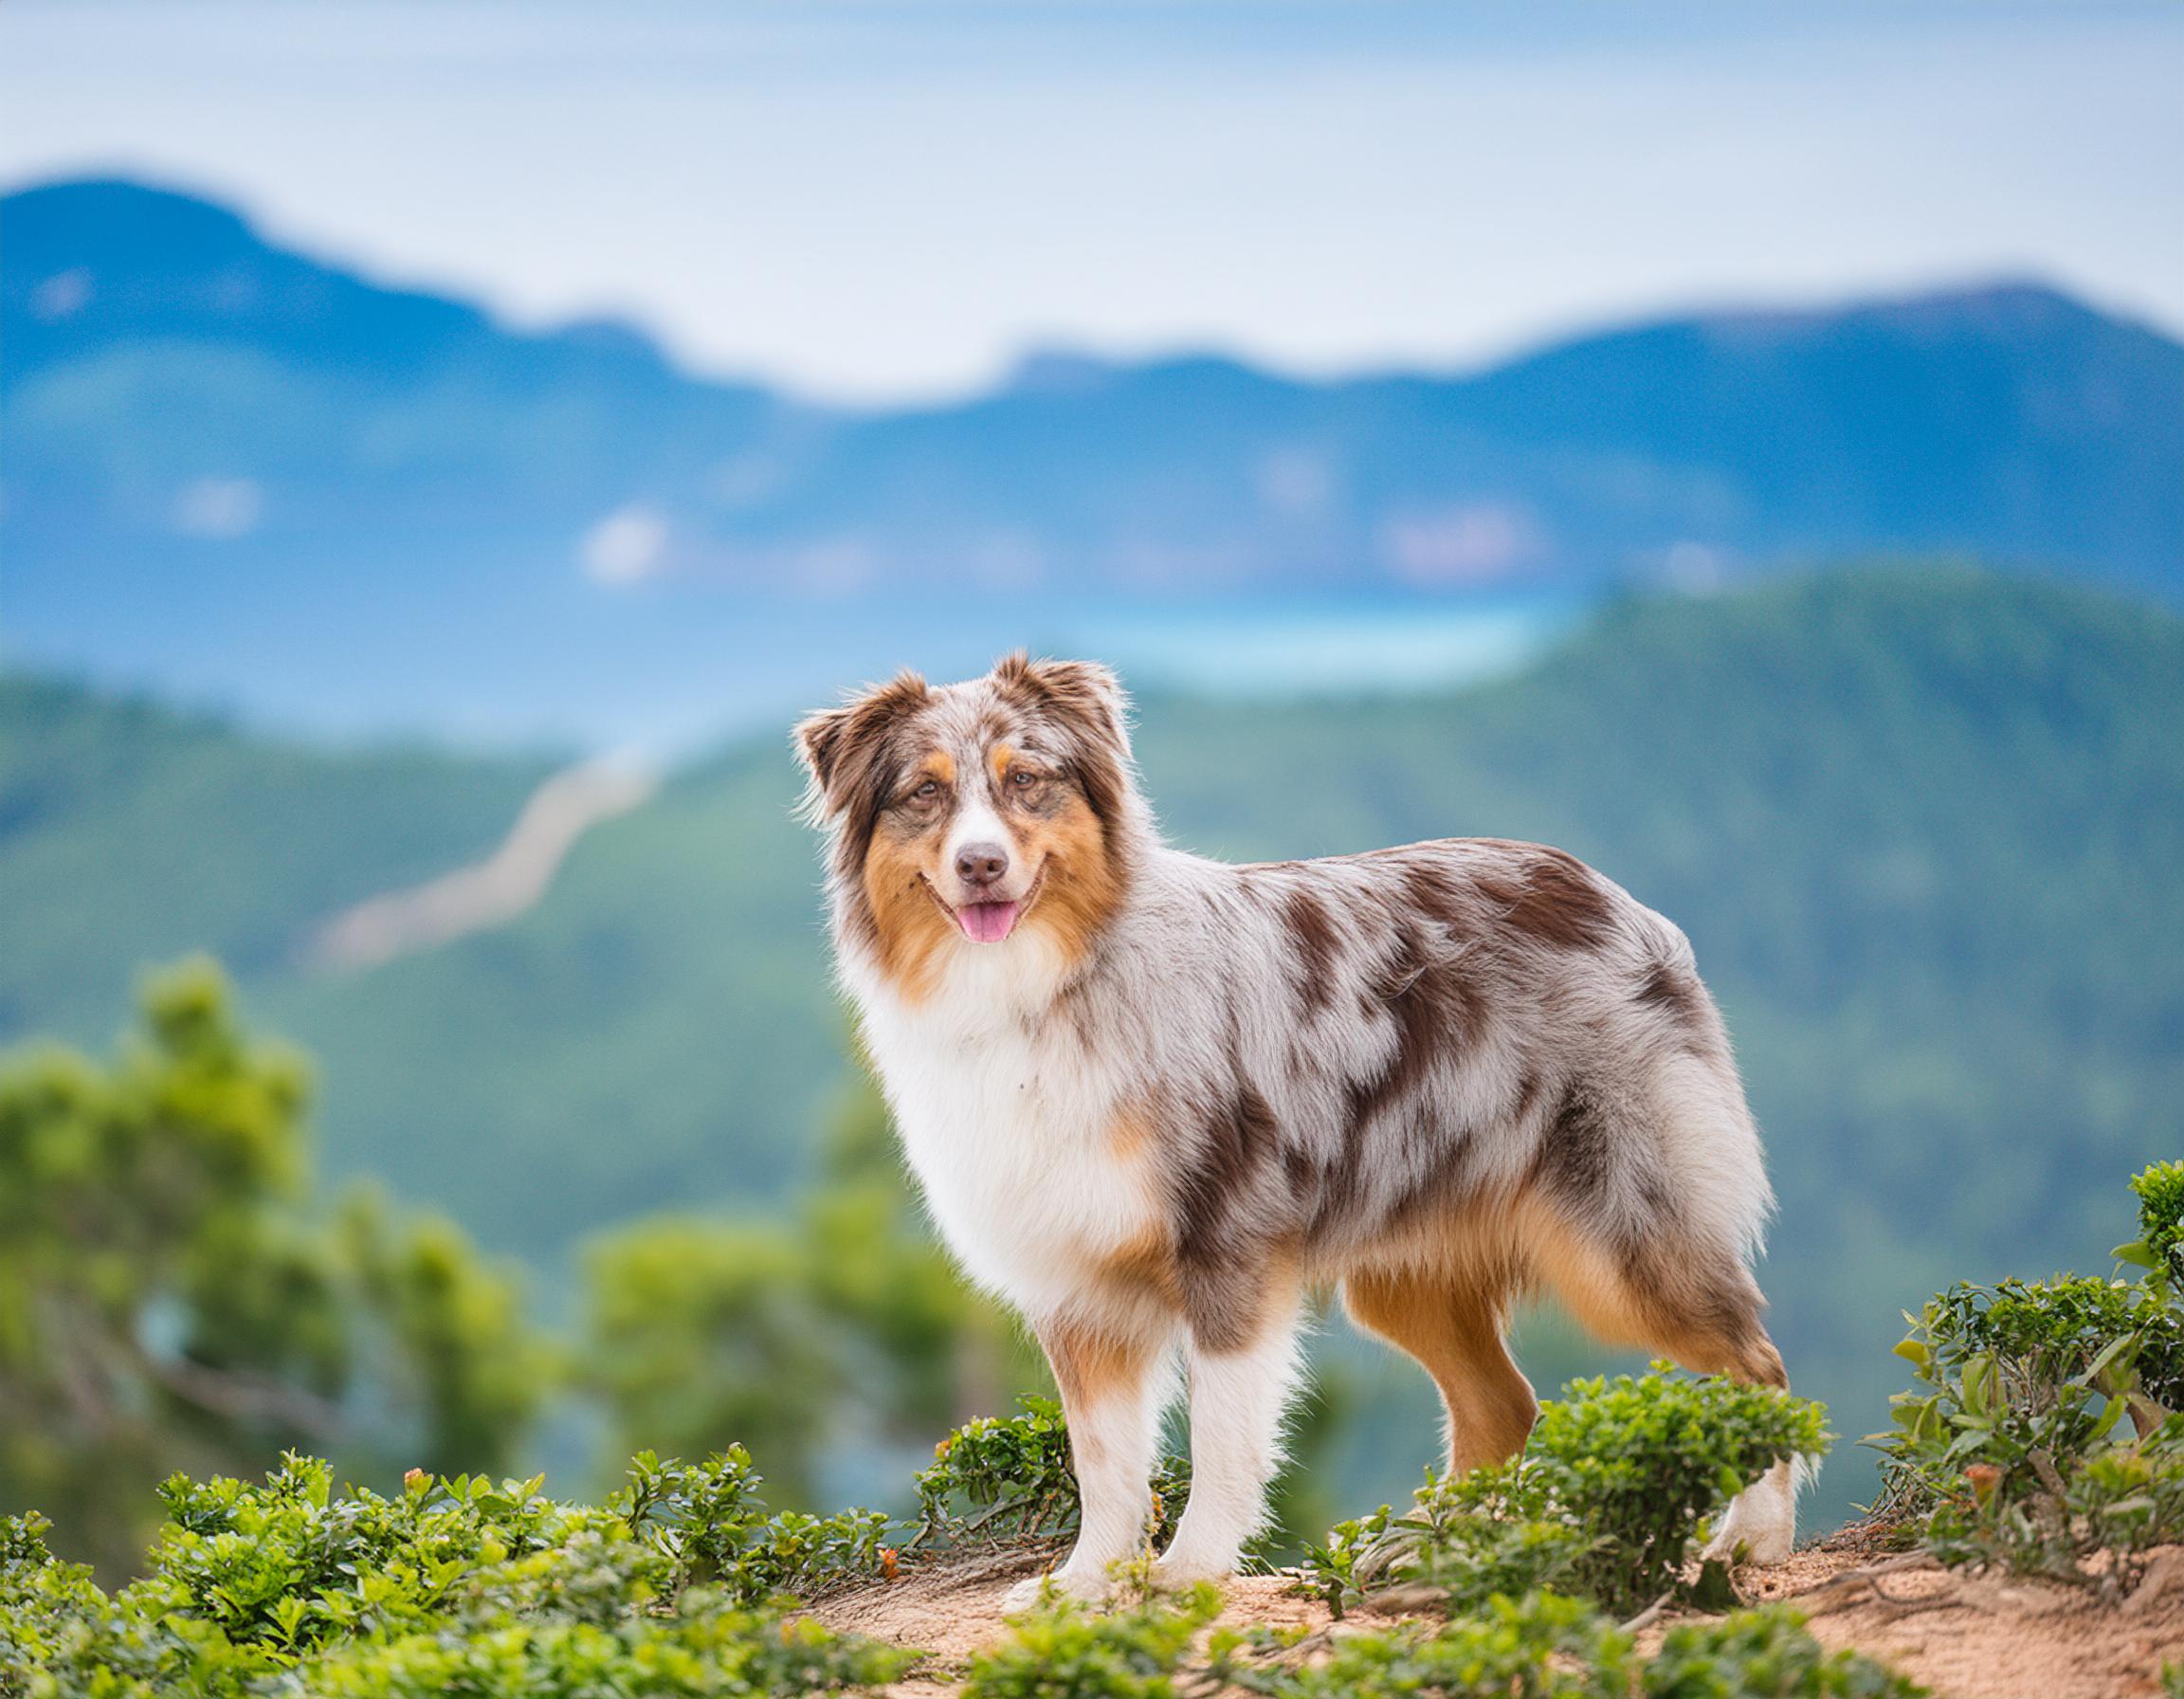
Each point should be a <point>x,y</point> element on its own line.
<point>1168,1094</point>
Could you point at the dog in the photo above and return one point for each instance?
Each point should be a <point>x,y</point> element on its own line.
<point>1151,1100</point>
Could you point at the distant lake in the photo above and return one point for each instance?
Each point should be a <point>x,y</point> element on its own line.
<point>669,673</point>
<point>1326,646</point>
<point>678,688</point>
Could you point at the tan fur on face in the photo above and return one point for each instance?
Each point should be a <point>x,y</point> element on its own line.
<point>911,927</point>
<point>1065,845</point>
<point>1079,884</point>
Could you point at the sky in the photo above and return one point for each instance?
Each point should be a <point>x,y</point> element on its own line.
<point>878,201</point>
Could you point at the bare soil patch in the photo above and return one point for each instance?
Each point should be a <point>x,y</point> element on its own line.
<point>1964,1637</point>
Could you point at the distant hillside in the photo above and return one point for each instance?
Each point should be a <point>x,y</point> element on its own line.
<point>131,833</point>
<point>250,472</point>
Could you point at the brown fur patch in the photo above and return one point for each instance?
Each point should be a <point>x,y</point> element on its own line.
<point>909,926</point>
<point>1225,1255</point>
<point>1554,899</point>
<point>1576,1155</point>
<point>1239,1135</point>
<point>1130,1139</point>
<point>1434,1012</point>
<point>1454,1330</point>
<point>1144,1268</point>
<point>843,749</point>
<point>1080,883</point>
<point>1317,943</point>
<point>1082,700</point>
<point>1671,990</point>
<point>1091,1363</point>
<point>1689,1303</point>
<point>1431,893</point>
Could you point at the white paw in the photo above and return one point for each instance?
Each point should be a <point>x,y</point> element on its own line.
<point>1027,1595</point>
<point>1762,1521</point>
<point>1172,1573</point>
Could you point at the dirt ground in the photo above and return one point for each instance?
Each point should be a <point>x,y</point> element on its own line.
<point>1964,1637</point>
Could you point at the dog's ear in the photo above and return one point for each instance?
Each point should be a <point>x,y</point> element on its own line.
<point>838,747</point>
<point>1085,701</point>
<point>1083,694</point>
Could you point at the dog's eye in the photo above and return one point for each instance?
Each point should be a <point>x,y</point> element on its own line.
<point>1023,778</point>
<point>926,792</point>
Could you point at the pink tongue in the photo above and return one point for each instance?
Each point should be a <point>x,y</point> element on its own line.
<point>987,923</point>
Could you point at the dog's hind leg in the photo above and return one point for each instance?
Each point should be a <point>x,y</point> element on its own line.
<point>1454,1330</point>
<point>1698,1305</point>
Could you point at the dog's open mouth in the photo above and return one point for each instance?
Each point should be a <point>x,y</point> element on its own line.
<point>990,922</point>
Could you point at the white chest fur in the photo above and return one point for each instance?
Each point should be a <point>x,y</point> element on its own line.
<point>1010,1126</point>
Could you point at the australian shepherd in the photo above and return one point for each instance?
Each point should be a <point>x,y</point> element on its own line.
<point>1153,1099</point>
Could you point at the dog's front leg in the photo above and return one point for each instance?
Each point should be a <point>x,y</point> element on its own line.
<point>1237,1400</point>
<point>1114,1387</point>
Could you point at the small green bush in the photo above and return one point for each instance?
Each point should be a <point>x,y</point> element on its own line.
<point>1617,1479</point>
<point>707,1520</point>
<point>1003,1478</point>
<point>1066,1650</point>
<point>2041,1431</point>
<point>1763,1655</point>
<point>2160,1248</point>
<point>1640,1462</point>
<point>455,1586</point>
<point>1465,1540</point>
<point>1542,1646</point>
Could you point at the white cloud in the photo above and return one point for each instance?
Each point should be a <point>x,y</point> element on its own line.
<point>1477,543</point>
<point>880,202</point>
<point>625,547</point>
<point>221,508</point>
<point>62,294</point>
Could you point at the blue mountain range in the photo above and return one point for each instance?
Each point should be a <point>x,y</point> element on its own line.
<point>236,468</point>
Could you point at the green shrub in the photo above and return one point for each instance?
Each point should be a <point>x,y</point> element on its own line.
<point>708,1522</point>
<point>463,1586</point>
<point>2122,1500</point>
<point>1542,1646</point>
<point>1763,1655</point>
<point>1640,1462</point>
<point>1618,1477</point>
<point>2041,1431</point>
<point>2160,1248</point>
<point>1465,1540</point>
<point>1065,1650</point>
<point>1002,1478</point>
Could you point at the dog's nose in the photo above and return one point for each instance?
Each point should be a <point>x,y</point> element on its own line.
<point>981,864</point>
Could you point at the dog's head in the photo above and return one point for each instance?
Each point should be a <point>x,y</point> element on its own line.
<point>963,815</point>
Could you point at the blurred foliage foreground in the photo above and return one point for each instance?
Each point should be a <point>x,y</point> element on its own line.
<point>174,1296</point>
<point>171,1296</point>
<point>175,1299</point>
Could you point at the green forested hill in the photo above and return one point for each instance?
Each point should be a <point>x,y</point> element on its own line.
<point>1922,828</point>
<point>131,834</point>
